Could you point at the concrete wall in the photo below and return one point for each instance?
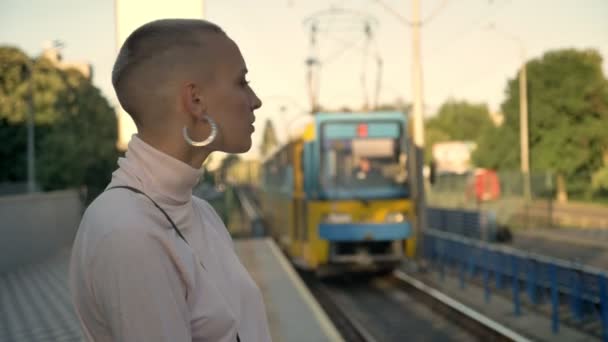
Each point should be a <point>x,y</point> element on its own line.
<point>35,226</point>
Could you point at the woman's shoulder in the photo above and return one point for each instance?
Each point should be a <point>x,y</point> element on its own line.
<point>115,209</point>
<point>112,222</point>
<point>205,208</point>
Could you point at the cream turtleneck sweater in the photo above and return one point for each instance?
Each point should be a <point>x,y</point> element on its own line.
<point>134,279</point>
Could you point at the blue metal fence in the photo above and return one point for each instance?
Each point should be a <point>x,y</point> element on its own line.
<point>469,223</point>
<point>583,289</point>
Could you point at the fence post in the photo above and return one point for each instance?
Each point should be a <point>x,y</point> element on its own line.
<point>471,264</point>
<point>575,296</point>
<point>462,222</point>
<point>532,281</point>
<point>428,249</point>
<point>516,303</point>
<point>604,305</point>
<point>462,270</point>
<point>554,299</point>
<point>486,276</point>
<point>441,260</point>
<point>498,257</point>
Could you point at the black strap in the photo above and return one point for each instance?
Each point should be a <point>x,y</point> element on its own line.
<point>155,204</point>
<point>238,338</point>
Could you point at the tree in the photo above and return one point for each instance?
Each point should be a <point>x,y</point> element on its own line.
<point>494,152</point>
<point>461,120</point>
<point>457,120</point>
<point>568,120</point>
<point>75,125</point>
<point>599,179</point>
<point>86,133</point>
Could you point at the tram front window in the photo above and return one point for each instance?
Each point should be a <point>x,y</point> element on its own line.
<point>363,163</point>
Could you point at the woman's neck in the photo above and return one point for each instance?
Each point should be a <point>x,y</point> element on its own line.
<point>178,149</point>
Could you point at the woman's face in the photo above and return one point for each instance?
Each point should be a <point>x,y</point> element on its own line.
<point>230,101</point>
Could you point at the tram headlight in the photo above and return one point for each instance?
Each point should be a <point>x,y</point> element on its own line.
<point>338,218</point>
<point>395,217</point>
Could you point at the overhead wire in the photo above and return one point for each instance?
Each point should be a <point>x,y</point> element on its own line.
<point>331,26</point>
<point>462,34</point>
<point>338,54</point>
<point>379,71</point>
<point>434,13</point>
<point>396,14</point>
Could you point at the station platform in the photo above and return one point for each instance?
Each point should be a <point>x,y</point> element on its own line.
<point>35,303</point>
<point>293,313</point>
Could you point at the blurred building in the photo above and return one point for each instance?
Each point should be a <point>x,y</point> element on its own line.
<point>53,54</point>
<point>131,14</point>
<point>497,118</point>
<point>453,156</point>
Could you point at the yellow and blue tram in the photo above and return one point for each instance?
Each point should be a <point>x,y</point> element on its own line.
<point>336,198</point>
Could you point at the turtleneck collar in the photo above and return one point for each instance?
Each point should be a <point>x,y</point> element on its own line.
<point>156,173</point>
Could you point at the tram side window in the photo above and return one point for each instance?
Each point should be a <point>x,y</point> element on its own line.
<point>285,173</point>
<point>278,175</point>
<point>302,185</point>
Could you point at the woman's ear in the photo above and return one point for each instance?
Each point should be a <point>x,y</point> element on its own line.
<point>193,100</point>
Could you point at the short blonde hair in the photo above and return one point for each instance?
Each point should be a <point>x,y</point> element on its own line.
<point>158,42</point>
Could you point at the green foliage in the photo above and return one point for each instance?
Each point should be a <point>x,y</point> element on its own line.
<point>461,120</point>
<point>494,152</point>
<point>568,118</point>
<point>457,120</point>
<point>75,130</point>
<point>15,69</point>
<point>13,151</point>
<point>599,181</point>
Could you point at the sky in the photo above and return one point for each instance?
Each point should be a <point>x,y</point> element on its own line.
<point>462,56</point>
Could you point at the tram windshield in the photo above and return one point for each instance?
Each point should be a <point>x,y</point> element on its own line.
<point>363,164</point>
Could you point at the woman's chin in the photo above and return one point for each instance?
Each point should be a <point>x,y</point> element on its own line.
<point>239,147</point>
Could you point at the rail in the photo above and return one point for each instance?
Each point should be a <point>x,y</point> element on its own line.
<point>253,214</point>
<point>583,288</point>
<point>484,327</point>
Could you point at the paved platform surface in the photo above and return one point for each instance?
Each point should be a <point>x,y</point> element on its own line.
<point>35,302</point>
<point>292,311</point>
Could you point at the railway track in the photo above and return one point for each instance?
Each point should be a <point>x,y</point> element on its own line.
<point>398,308</point>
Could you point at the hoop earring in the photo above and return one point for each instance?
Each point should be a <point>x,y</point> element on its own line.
<point>205,142</point>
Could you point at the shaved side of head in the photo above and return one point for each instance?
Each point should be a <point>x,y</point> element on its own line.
<point>157,55</point>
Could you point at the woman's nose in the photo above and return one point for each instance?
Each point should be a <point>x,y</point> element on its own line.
<point>256,103</point>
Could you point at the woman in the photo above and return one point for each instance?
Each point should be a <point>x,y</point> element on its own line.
<point>151,262</point>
